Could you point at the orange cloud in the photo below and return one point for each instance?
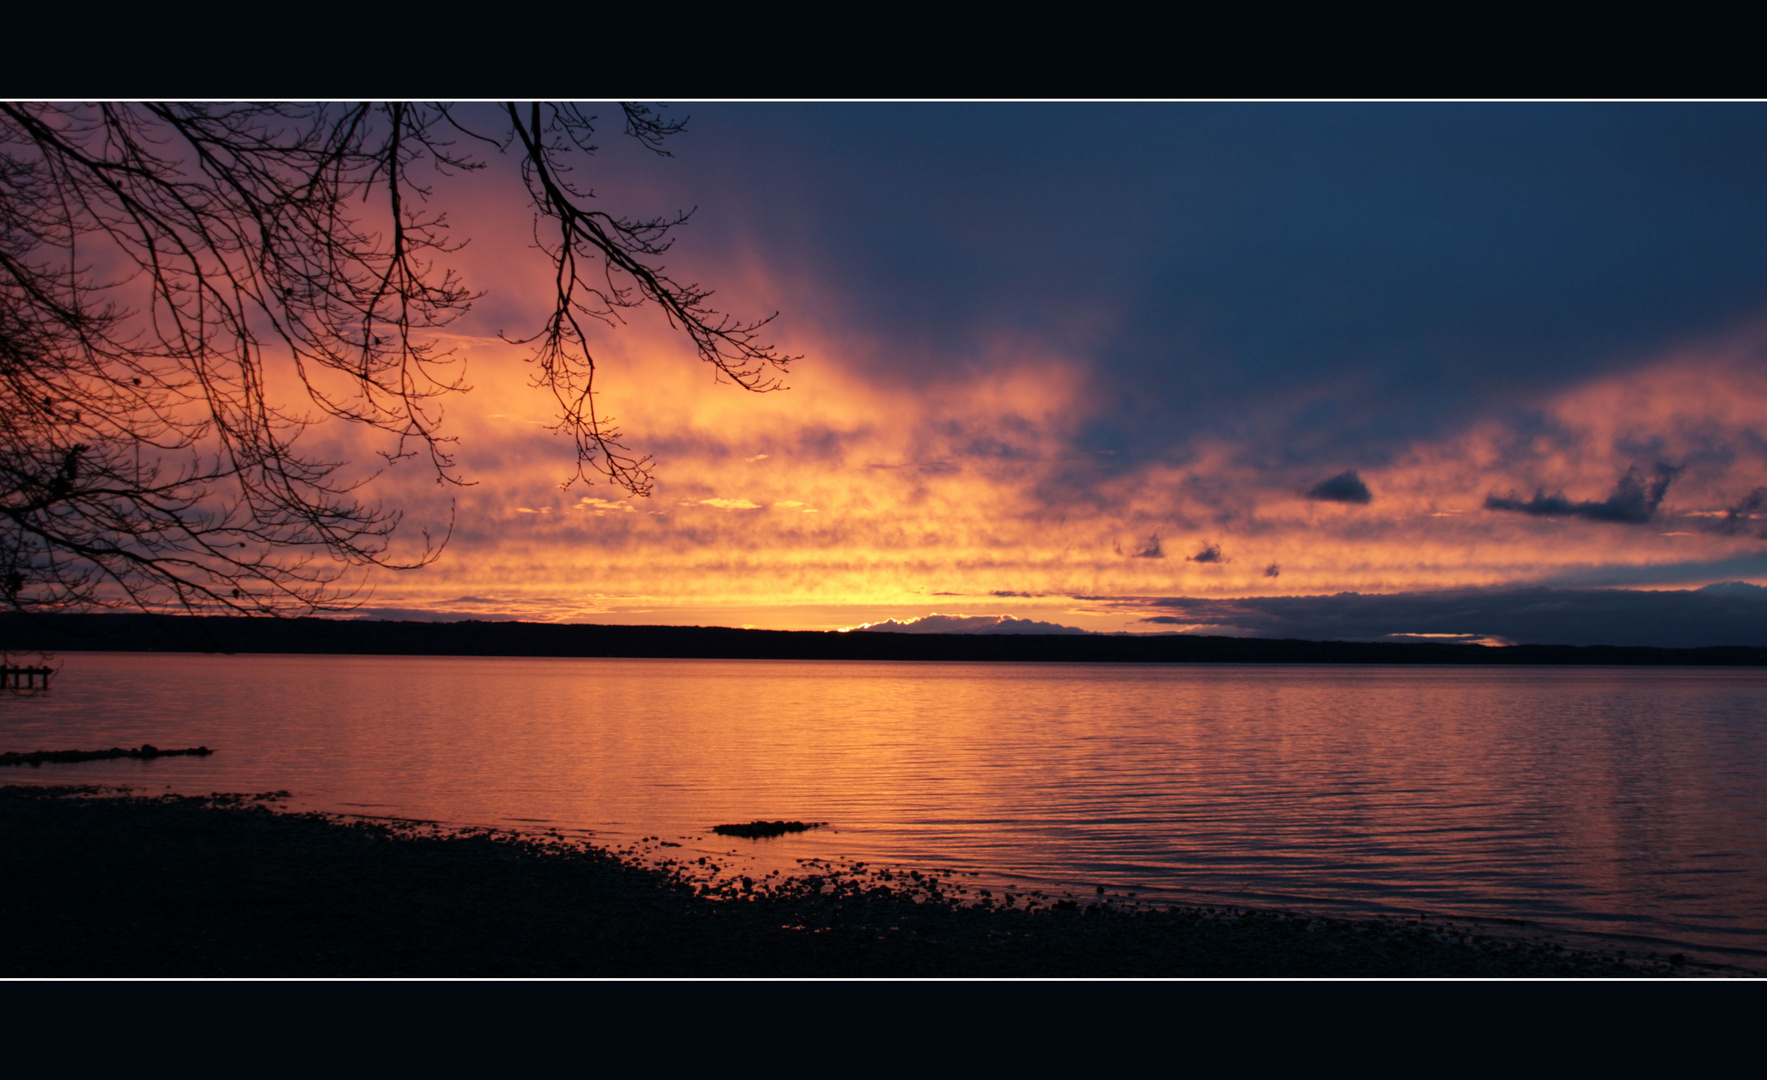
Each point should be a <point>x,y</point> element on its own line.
<point>849,493</point>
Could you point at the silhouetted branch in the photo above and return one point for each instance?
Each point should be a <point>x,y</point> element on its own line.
<point>156,261</point>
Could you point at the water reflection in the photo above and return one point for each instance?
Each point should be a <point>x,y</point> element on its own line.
<point>1620,801</point>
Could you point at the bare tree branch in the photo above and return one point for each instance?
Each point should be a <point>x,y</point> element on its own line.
<point>157,261</point>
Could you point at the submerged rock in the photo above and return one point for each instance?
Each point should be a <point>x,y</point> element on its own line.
<point>754,830</point>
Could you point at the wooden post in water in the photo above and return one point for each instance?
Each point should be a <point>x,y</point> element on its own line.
<point>24,678</point>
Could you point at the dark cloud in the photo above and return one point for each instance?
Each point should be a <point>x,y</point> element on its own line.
<point>1441,259</point>
<point>1632,502</point>
<point>1153,550</point>
<point>1730,614</point>
<point>1345,487</point>
<point>1748,567</point>
<point>1008,592</point>
<point>1741,517</point>
<point>1209,553</point>
<point>1273,570</point>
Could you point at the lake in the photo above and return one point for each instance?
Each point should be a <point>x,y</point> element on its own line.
<point>1624,805</point>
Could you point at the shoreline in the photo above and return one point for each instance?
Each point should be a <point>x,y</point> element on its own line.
<point>340,637</point>
<point>105,883</point>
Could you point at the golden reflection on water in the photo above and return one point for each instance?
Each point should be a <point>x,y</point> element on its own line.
<point>1621,801</point>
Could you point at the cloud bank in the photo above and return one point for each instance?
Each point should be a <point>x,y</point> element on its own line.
<point>1632,502</point>
<point>1733,613</point>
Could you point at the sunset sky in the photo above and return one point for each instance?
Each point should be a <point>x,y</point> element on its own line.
<point>1148,367</point>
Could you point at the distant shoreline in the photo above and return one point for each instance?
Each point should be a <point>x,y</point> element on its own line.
<point>108,885</point>
<point>223,634</point>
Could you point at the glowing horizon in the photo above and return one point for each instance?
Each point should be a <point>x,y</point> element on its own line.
<point>893,507</point>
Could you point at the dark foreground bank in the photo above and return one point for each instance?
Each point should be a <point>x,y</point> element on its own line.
<point>104,885</point>
<point>368,637</point>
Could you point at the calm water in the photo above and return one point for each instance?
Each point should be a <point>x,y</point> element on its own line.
<point>1625,803</point>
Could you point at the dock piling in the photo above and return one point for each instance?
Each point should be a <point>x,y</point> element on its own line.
<point>25,678</point>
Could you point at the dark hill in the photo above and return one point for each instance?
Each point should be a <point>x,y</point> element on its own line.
<point>147,633</point>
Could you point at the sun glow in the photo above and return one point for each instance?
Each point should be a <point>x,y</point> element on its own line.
<point>843,501</point>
